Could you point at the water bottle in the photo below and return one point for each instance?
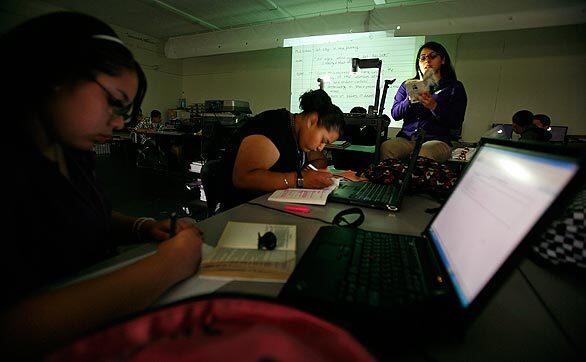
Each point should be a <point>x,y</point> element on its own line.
<point>182,101</point>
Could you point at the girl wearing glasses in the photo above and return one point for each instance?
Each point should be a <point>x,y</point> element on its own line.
<point>81,83</point>
<point>440,112</point>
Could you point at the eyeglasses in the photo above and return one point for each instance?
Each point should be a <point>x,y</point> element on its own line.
<point>430,56</point>
<point>117,106</point>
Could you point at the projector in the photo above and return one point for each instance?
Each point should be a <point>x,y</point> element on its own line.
<point>227,105</point>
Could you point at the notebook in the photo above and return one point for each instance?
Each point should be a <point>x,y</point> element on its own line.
<point>378,196</point>
<point>461,257</point>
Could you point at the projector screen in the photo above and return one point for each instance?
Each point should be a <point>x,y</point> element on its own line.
<point>330,58</point>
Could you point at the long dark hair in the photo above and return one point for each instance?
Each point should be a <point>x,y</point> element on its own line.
<point>58,49</point>
<point>446,70</point>
<point>330,116</point>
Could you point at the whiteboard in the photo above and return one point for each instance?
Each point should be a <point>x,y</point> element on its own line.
<point>333,63</point>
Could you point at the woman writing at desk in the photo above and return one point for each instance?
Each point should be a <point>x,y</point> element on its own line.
<point>440,113</point>
<point>60,222</point>
<point>269,151</point>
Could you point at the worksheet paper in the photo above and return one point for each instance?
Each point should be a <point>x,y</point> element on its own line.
<point>305,196</point>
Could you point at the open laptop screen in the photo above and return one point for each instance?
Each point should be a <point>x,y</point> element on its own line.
<point>558,133</point>
<point>499,199</point>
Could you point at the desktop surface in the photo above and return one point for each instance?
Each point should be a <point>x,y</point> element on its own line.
<point>515,319</point>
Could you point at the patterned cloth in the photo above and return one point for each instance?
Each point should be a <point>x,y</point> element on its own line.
<point>563,241</point>
<point>147,124</point>
<point>429,176</point>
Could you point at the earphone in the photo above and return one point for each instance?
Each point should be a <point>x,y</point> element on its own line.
<point>339,218</point>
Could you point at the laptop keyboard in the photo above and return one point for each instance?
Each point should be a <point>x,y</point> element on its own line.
<point>372,192</point>
<point>384,270</point>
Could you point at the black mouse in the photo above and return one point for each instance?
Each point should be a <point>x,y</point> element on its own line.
<point>268,241</point>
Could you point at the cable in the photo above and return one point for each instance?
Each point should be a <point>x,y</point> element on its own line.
<point>338,219</point>
<point>290,213</point>
<point>550,313</point>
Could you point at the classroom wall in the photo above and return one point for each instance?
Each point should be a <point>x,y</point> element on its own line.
<point>164,76</point>
<point>536,69</point>
<point>261,77</point>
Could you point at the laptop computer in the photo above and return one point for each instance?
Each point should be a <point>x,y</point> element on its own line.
<point>378,196</point>
<point>473,242</point>
<point>558,133</point>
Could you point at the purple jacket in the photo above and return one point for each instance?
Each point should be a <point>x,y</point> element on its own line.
<point>447,118</point>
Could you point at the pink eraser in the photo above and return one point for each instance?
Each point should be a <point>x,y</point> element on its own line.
<point>297,208</point>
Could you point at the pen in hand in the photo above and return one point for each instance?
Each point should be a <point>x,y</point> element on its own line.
<point>173,224</point>
<point>343,177</point>
<point>338,176</point>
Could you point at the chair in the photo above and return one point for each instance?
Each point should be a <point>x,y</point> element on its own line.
<point>212,178</point>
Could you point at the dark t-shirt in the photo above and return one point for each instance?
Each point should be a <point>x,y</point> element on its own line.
<point>276,126</point>
<point>56,226</point>
<point>534,133</point>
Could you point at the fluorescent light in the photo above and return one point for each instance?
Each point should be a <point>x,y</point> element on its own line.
<point>379,2</point>
<point>325,39</point>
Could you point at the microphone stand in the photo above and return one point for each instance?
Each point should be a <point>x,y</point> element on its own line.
<point>381,125</point>
<point>384,97</point>
<point>377,90</point>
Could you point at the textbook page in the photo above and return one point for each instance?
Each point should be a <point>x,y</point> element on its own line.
<point>236,256</point>
<point>244,235</point>
<point>305,196</point>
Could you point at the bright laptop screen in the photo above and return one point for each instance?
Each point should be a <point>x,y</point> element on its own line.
<point>499,199</point>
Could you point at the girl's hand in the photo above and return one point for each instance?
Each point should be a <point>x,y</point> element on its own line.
<point>427,100</point>
<point>182,252</point>
<point>316,179</point>
<point>161,230</point>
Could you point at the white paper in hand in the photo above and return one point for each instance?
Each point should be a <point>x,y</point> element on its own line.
<point>416,87</point>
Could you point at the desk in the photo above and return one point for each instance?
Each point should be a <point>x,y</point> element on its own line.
<point>353,157</point>
<point>380,124</point>
<point>514,325</point>
<point>179,149</point>
<point>153,132</point>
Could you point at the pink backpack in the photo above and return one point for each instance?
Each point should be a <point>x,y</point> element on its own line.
<point>219,329</point>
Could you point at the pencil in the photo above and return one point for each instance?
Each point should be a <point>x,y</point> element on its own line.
<point>173,223</point>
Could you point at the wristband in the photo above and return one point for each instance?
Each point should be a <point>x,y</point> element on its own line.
<point>137,226</point>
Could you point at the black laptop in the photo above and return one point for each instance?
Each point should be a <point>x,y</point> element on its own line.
<point>378,196</point>
<point>462,255</point>
<point>558,133</point>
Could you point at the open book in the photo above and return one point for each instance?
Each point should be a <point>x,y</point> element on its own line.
<point>237,257</point>
<point>339,145</point>
<point>416,87</point>
<point>305,196</point>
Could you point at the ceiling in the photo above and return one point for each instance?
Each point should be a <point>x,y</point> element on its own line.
<point>168,18</point>
<point>213,23</point>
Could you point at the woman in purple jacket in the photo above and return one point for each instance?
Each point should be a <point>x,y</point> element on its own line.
<point>440,113</point>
